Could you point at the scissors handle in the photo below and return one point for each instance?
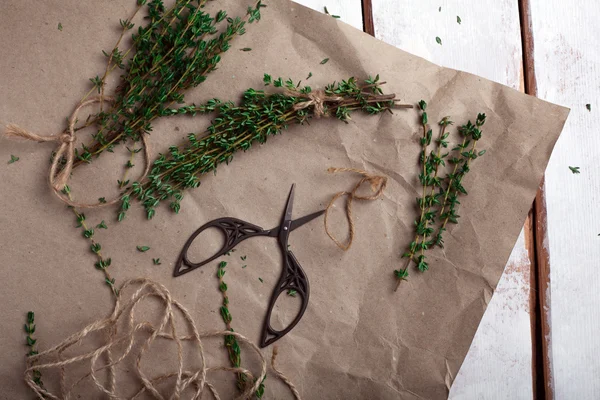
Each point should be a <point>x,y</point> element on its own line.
<point>292,278</point>
<point>234,231</point>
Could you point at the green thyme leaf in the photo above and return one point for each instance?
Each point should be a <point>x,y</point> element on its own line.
<point>267,79</point>
<point>246,49</point>
<point>589,107</point>
<point>60,27</point>
<point>438,40</point>
<point>260,279</point>
<point>243,258</point>
<point>156,261</point>
<point>143,249</point>
<point>102,225</point>
<point>324,61</point>
<point>458,20</point>
<point>291,292</point>
<point>13,159</point>
<point>574,170</point>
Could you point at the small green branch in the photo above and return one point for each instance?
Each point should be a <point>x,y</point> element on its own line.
<point>435,188</point>
<point>231,343</point>
<point>101,263</point>
<point>31,342</point>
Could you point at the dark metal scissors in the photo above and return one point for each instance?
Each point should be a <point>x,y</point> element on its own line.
<point>292,276</point>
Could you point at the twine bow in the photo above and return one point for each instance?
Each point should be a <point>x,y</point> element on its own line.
<point>58,179</point>
<point>316,99</point>
<point>378,185</point>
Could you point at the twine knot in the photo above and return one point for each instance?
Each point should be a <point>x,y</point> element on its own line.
<point>67,138</point>
<point>59,177</point>
<point>318,98</point>
<point>378,185</point>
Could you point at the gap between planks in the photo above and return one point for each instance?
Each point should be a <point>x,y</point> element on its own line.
<point>540,271</point>
<point>367,11</point>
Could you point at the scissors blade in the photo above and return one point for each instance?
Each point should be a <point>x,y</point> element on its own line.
<point>287,216</point>
<point>301,221</point>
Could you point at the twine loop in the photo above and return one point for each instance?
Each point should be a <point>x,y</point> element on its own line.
<point>128,338</point>
<point>59,177</point>
<point>378,185</point>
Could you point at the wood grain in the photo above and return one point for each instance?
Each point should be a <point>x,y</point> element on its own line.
<point>567,72</point>
<point>487,43</point>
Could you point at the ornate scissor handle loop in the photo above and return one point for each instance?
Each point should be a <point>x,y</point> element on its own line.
<point>294,278</point>
<point>234,231</point>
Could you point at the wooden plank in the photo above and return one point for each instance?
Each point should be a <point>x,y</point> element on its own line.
<point>350,11</point>
<point>567,72</point>
<point>487,42</point>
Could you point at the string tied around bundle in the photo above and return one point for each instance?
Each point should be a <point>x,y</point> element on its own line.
<point>59,173</point>
<point>317,99</point>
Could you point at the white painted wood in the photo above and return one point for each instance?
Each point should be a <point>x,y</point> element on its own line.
<point>350,11</point>
<point>567,65</point>
<point>486,43</point>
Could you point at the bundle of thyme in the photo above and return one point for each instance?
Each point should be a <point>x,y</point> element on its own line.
<point>174,52</point>
<point>439,199</point>
<point>238,127</point>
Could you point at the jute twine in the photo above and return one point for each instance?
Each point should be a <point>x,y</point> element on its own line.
<point>58,179</point>
<point>315,98</point>
<point>119,345</point>
<point>378,185</point>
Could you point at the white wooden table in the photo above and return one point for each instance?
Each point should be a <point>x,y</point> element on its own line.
<point>539,337</point>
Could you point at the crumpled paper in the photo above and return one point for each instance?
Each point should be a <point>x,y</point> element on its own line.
<point>358,339</point>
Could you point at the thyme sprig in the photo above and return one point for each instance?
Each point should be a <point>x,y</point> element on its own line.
<point>174,52</point>
<point>30,341</point>
<point>231,343</point>
<point>439,196</point>
<point>462,161</point>
<point>101,263</point>
<point>237,128</point>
